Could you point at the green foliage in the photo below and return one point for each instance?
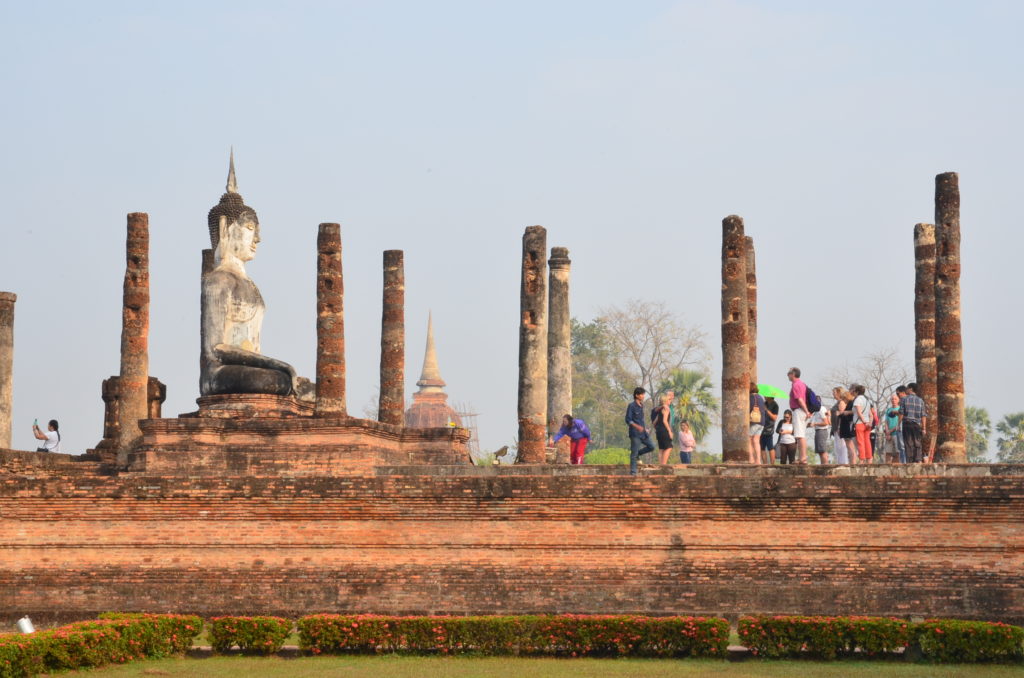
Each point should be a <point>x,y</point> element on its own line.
<point>599,390</point>
<point>609,455</point>
<point>1011,438</point>
<point>695,400</point>
<point>939,640</point>
<point>979,430</point>
<point>113,639</point>
<point>553,636</point>
<point>255,635</point>
<point>961,642</point>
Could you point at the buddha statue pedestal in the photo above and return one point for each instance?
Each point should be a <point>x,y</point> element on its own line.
<point>272,436</point>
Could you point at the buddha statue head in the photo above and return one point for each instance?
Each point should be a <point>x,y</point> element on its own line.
<point>237,237</point>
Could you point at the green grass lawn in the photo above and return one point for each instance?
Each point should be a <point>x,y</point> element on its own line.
<point>415,667</point>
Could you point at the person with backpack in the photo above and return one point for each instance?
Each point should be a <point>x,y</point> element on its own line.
<point>51,436</point>
<point>579,436</point>
<point>802,401</point>
<point>862,423</point>
<point>758,420</point>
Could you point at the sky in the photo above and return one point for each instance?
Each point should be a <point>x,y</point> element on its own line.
<point>628,130</point>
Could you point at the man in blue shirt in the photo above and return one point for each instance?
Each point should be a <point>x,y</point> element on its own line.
<point>639,440</point>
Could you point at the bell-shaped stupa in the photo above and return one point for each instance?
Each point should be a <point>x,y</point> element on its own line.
<point>430,407</point>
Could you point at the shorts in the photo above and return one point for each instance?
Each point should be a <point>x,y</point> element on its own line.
<point>821,436</point>
<point>755,430</point>
<point>664,439</point>
<point>799,424</point>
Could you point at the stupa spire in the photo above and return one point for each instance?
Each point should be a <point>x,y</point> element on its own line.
<point>232,186</point>
<point>430,377</point>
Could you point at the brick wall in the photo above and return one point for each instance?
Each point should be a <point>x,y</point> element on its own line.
<point>945,541</point>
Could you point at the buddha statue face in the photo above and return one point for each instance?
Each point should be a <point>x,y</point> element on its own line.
<point>240,237</point>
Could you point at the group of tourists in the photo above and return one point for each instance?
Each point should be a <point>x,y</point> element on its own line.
<point>853,423</point>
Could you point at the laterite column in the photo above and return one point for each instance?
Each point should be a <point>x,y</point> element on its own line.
<point>949,351</point>
<point>751,308</point>
<point>533,348</point>
<point>735,352</point>
<point>391,409</point>
<point>7,300</point>
<point>924,329</point>
<point>330,324</point>
<point>134,378</point>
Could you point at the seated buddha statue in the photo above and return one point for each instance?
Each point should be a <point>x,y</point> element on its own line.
<point>232,311</point>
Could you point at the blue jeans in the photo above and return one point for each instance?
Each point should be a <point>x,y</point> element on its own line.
<point>897,437</point>
<point>638,444</point>
<point>684,457</point>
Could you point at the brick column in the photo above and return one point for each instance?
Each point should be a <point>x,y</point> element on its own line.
<point>924,327</point>
<point>949,365</point>
<point>392,341</point>
<point>330,324</point>
<point>533,348</point>
<point>735,353</point>
<point>134,378</point>
<point>751,307</point>
<point>559,347</point>
<point>7,300</point>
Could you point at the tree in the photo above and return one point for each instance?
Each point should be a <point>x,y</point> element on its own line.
<point>695,400</point>
<point>650,341</point>
<point>1011,438</point>
<point>979,430</point>
<point>598,384</point>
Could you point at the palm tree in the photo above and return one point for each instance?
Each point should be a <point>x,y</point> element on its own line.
<point>979,430</point>
<point>1011,438</point>
<point>695,402</point>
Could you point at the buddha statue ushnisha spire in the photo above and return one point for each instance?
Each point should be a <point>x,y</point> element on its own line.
<point>231,204</point>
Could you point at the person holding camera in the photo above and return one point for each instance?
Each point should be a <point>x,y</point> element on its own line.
<point>51,435</point>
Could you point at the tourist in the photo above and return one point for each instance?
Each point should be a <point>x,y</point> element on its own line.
<point>862,422</point>
<point>893,429</point>
<point>687,443</point>
<point>914,415</point>
<point>661,417</point>
<point>787,442</point>
<point>771,410</point>
<point>838,446</point>
<point>51,435</point>
<point>579,436</point>
<point>847,437</point>
<point>821,424</point>
<point>639,440</point>
<point>798,405</point>
<point>758,420</point>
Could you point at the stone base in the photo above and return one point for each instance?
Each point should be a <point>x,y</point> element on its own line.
<point>239,436</point>
<point>251,406</point>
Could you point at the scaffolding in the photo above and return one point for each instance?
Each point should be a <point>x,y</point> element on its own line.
<point>468,418</point>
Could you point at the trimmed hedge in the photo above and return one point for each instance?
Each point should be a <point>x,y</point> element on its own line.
<point>938,640</point>
<point>115,639</point>
<point>957,641</point>
<point>254,635</point>
<point>552,636</point>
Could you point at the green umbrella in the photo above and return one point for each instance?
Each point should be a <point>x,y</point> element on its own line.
<point>769,391</point>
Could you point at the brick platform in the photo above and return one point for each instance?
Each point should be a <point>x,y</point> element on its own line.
<point>926,540</point>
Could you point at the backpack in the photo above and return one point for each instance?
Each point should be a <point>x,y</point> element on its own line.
<point>813,401</point>
<point>655,414</point>
<point>755,411</point>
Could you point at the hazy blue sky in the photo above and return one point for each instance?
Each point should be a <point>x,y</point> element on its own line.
<point>628,129</point>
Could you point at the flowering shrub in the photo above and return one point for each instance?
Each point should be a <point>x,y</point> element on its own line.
<point>562,635</point>
<point>823,637</point>
<point>116,639</point>
<point>258,635</point>
<point>953,640</point>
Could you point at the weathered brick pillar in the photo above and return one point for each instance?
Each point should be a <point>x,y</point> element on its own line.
<point>134,378</point>
<point>924,327</point>
<point>751,307</point>
<point>330,324</point>
<point>735,353</point>
<point>391,409</point>
<point>559,347</point>
<point>7,300</point>
<point>949,350</point>
<point>533,348</point>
